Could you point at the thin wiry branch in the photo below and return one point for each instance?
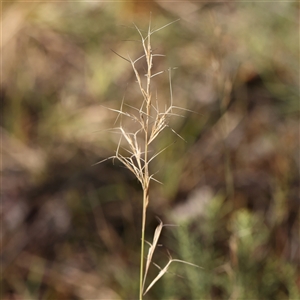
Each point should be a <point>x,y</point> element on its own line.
<point>120,55</point>
<point>164,26</point>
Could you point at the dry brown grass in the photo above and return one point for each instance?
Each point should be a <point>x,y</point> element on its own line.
<point>151,121</point>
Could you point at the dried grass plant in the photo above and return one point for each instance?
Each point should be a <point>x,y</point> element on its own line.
<point>151,121</point>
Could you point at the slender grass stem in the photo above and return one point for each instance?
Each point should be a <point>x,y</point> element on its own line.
<point>146,181</point>
<point>145,202</point>
<point>138,147</point>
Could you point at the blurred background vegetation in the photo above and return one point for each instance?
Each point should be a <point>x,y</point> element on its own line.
<point>71,230</point>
